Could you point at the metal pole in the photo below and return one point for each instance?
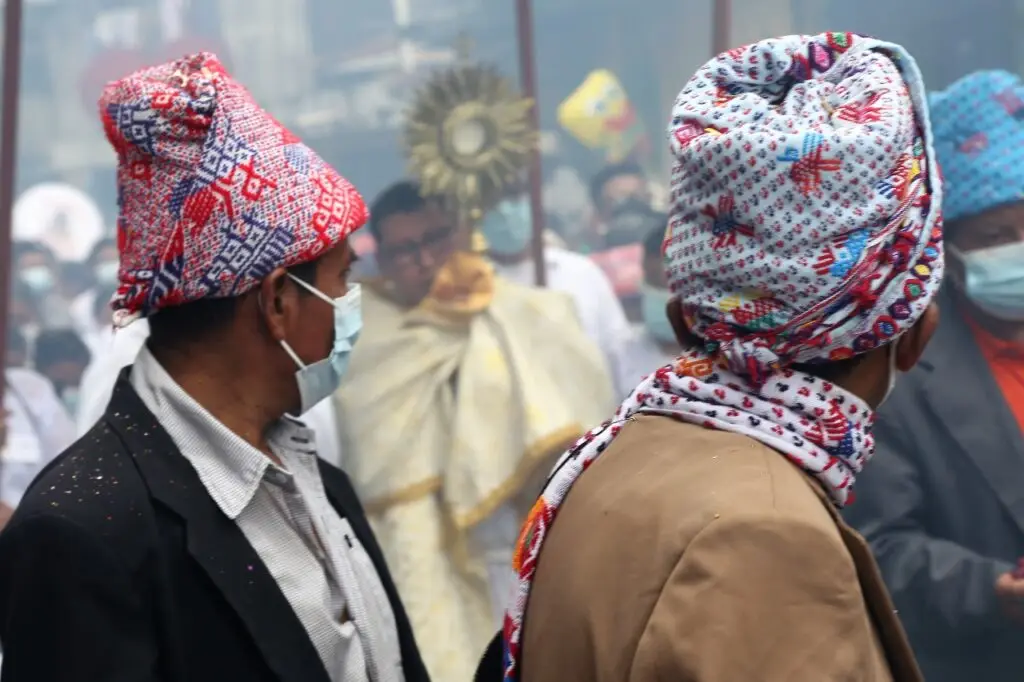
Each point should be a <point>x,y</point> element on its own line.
<point>8,161</point>
<point>721,26</point>
<point>528,77</point>
<point>8,158</point>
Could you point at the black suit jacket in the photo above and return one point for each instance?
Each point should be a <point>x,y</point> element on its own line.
<point>491,667</point>
<point>118,566</point>
<point>942,505</point>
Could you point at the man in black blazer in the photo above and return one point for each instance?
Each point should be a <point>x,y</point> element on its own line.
<point>193,535</point>
<point>942,503</point>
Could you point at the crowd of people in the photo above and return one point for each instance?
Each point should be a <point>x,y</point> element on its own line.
<point>237,448</point>
<point>59,319</point>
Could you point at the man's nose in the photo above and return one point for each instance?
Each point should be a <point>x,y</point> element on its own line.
<point>426,259</point>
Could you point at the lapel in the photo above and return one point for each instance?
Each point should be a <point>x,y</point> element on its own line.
<point>215,542</point>
<point>960,390</point>
<point>898,652</point>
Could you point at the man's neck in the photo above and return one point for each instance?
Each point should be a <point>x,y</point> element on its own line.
<point>225,391</point>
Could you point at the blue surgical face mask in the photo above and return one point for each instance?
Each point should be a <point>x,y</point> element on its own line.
<point>508,227</point>
<point>38,278</point>
<point>653,306</point>
<point>321,379</point>
<point>994,279</point>
<point>106,274</point>
<point>70,399</point>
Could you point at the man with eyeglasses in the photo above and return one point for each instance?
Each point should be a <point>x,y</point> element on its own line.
<point>415,237</point>
<point>463,388</point>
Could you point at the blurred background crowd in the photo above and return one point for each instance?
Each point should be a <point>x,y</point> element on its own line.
<point>342,75</point>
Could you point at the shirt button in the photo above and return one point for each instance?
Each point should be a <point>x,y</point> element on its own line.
<point>277,477</point>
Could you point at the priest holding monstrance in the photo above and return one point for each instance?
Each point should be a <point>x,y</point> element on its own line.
<point>463,387</point>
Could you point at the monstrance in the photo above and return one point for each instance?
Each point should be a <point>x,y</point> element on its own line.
<point>468,138</point>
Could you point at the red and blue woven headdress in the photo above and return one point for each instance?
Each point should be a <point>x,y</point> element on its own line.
<point>213,192</point>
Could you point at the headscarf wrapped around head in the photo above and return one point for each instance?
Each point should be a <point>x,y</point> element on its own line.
<point>805,227</point>
<point>214,193</point>
<point>979,140</point>
<point>804,222</point>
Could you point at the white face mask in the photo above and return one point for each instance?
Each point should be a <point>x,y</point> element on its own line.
<point>508,227</point>
<point>994,279</point>
<point>38,278</point>
<point>321,379</point>
<point>106,274</point>
<point>70,399</point>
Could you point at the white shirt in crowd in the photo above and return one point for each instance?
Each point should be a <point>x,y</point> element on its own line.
<point>495,539</point>
<point>95,334</point>
<point>121,349</point>
<point>318,562</point>
<point>599,309</point>
<point>38,429</point>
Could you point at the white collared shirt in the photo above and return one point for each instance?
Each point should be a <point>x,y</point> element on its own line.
<point>283,511</point>
<point>118,349</point>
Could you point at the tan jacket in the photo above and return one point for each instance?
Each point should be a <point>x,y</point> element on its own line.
<point>685,554</point>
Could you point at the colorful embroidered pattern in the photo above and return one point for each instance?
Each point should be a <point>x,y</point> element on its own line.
<point>214,194</point>
<point>806,227</point>
<point>820,427</point>
<point>723,223</point>
<point>819,192</point>
<point>979,140</point>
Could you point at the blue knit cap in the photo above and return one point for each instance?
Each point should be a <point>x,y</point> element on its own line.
<point>978,125</point>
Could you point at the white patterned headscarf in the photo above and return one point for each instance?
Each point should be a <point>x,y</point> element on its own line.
<point>804,221</point>
<point>805,227</point>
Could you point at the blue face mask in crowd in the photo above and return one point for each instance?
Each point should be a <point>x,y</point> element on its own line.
<point>69,396</point>
<point>653,306</point>
<point>321,379</point>
<point>508,227</point>
<point>994,279</point>
<point>38,278</point>
<point>106,274</point>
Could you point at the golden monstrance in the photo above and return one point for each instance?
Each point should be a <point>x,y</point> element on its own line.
<point>468,138</point>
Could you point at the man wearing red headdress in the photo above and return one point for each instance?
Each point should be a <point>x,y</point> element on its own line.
<point>193,534</point>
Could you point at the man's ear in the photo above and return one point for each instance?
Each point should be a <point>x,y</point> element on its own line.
<point>276,303</point>
<point>912,344</point>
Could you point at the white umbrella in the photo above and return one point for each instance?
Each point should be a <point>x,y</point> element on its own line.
<point>61,216</point>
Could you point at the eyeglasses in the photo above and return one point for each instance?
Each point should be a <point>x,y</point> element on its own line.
<point>409,252</point>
